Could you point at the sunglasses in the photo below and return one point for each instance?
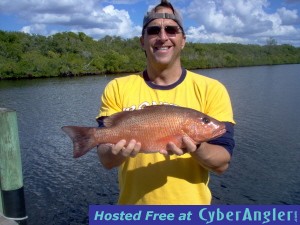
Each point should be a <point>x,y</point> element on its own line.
<point>170,30</point>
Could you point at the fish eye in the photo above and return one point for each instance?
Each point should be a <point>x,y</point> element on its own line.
<point>205,120</point>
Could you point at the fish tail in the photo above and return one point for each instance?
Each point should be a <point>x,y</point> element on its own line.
<point>82,137</point>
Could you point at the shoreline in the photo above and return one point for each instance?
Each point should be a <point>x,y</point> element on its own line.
<point>70,75</point>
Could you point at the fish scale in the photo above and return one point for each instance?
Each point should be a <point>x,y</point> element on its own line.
<point>153,126</point>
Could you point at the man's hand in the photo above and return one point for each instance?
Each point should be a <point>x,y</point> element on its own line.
<point>212,157</point>
<point>132,149</point>
<point>190,147</point>
<point>113,155</point>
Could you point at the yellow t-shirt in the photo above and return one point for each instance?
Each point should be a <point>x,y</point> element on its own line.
<point>154,178</point>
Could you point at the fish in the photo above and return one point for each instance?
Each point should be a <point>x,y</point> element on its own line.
<point>153,126</point>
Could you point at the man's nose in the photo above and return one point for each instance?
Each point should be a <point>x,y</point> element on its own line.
<point>163,34</point>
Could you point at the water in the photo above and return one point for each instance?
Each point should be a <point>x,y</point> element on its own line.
<point>265,165</point>
<point>59,189</point>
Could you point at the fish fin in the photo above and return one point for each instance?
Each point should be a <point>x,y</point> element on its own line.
<point>108,121</point>
<point>82,137</point>
<point>118,117</point>
<point>115,118</point>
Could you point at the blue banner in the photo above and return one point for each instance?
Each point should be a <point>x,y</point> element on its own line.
<point>216,214</point>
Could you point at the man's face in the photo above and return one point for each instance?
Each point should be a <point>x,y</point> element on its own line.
<point>163,48</point>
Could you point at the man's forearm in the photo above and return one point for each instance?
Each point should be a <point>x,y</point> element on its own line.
<point>212,157</point>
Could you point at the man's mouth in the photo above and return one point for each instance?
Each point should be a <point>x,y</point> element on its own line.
<point>163,48</point>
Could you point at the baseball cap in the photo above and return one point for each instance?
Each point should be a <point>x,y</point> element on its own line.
<point>152,15</point>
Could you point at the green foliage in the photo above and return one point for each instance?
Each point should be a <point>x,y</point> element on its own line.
<point>70,54</point>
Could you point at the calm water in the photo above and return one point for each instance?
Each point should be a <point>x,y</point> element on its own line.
<point>58,189</point>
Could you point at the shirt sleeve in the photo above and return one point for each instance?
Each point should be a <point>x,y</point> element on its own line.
<point>226,140</point>
<point>219,107</point>
<point>219,103</point>
<point>110,100</point>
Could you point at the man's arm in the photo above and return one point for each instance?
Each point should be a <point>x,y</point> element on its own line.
<point>212,157</point>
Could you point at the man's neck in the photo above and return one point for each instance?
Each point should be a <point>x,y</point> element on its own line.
<point>164,76</point>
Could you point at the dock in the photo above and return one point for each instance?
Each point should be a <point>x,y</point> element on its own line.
<point>12,200</point>
<point>5,221</point>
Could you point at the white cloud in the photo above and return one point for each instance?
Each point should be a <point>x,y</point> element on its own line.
<point>122,1</point>
<point>228,17</point>
<point>35,6</point>
<point>288,17</point>
<point>35,29</point>
<point>76,15</point>
<point>48,18</point>
<point>200,34</point>
<point>240,21</point>
<point>117,22</point>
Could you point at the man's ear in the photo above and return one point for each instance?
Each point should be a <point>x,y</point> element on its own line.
<point>142,41</point>
<point>183,42</point>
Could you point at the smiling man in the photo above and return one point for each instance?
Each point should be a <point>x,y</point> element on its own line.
<point>163,39</point>
<point>174,175</point>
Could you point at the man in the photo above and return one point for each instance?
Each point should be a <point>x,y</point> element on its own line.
<point>173,176</point>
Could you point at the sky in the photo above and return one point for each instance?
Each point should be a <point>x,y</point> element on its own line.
<point>205,21</point>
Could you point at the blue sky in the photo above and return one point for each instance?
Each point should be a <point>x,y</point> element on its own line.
<point>206,21</point>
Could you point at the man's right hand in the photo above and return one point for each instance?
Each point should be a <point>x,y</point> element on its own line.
<point>132,149</point>
<point>113,155</point>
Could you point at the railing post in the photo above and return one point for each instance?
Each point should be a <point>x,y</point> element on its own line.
<point>11,177</point>
<point>1,207</point>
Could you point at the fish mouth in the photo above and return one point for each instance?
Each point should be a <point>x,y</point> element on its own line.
<point>219,133</point>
